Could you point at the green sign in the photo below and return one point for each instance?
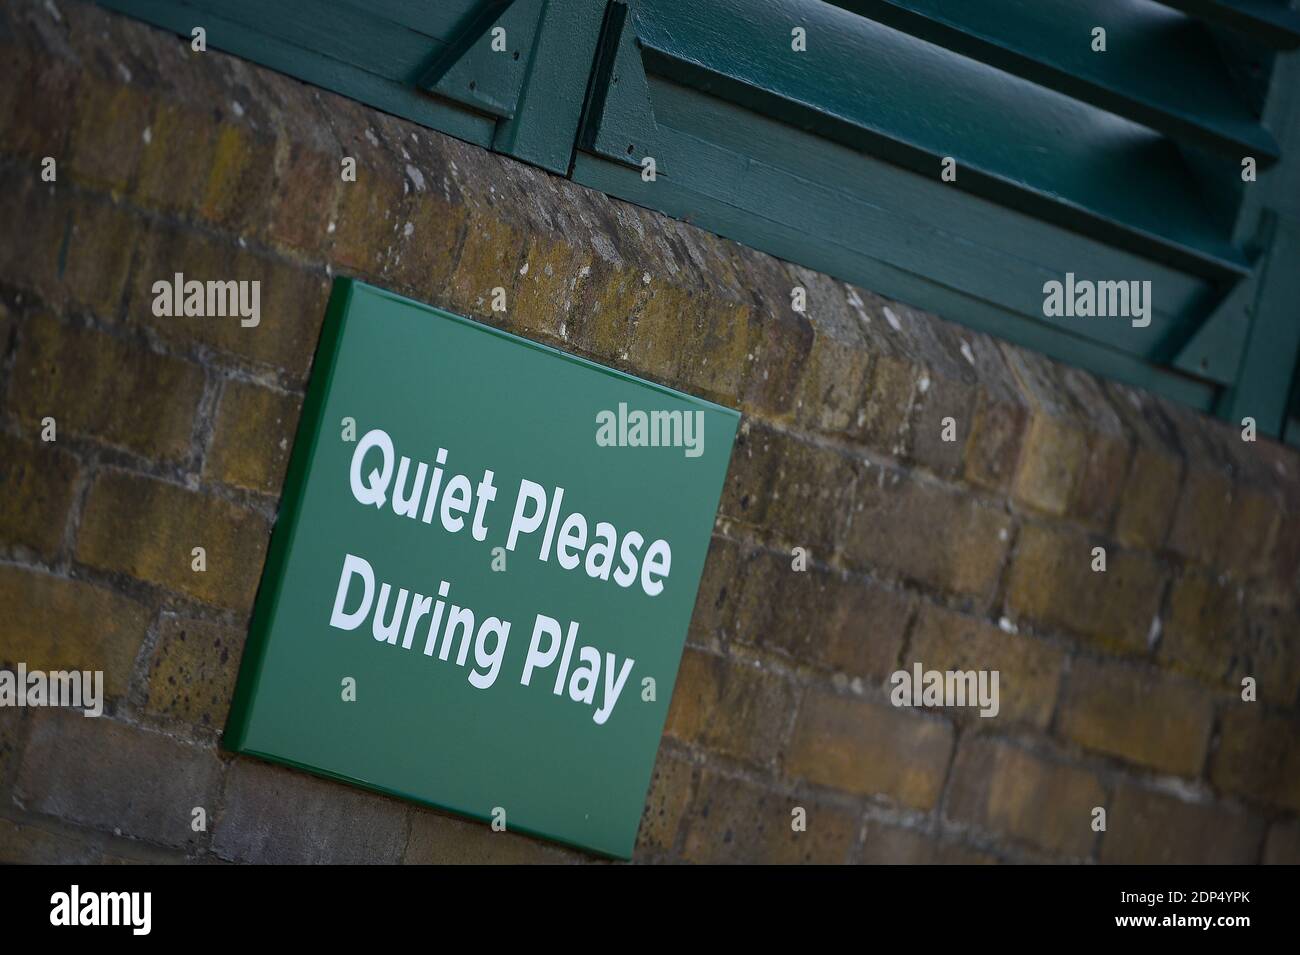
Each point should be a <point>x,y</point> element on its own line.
<point>481,579</point>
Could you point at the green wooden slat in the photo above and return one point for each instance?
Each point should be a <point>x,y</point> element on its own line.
<point>896,217</point>
<point>469,71</point>
<point>789,243</point>
<point>545,126</point>
<point>332,29</point>
<point>442,20</point>
<point>912,103</point>
<point>618,121</point>
<point>1268,21</point>
<point>1160,68</point>
<point>920,203</point>
<point>1269,363</point>
<point>400,99</point>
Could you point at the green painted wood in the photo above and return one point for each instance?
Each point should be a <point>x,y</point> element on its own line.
<point>917,235</point>
<point>333,29</point>
<point>911,103</point>
<point>1268,21</point>
<point>443,20</point>
<point>952,223</point>
<point>391,96</point>
<point>1213,349</point>
<point>1159,69</point>
<point>1268,367</point>
<point>618,121</point>
<point>476,70</point>
<point>545,126</point>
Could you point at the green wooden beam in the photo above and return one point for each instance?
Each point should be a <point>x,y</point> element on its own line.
<point>618,121</point>
<point>1272,352</point>
<point>1266,21</point>
<point>911,103</point>
<point>1159,69</point>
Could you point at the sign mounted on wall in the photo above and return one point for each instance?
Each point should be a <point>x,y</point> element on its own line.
<point>480,583</point>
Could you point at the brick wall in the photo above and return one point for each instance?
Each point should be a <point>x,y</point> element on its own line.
<point>1119,689</point>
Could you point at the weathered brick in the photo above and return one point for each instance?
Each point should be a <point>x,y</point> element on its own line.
<point>109,132</point>
<point>192,671</point>
<point>746,495</point>
<point>861,632</point>
<point>1051,578</point>
<point>370,213</point>
<point>941,398</point>
<point>241,179</point>
<point>36,488</point>
<point>52,623</point>
<point>547,286</point>
<point>870,749</point>
<point>1202,513</point>
<point>96,256</point>
<point>437,839</point>
<point>733,821</point>
<point>98,386</point>
<point>105,774</point>
<point>128,852</point>
<point>292,300</point>
<point>176,159</point>
<point>1098,491</point>
<point>253,437</point>
<point>1051,462</point>
<point>605,306</point>
<point>718,596</point>
<point>1151,828</point>
<point>998,786</point>
<point>1029,670</point>
<point>31,258</point>
<point>666,805</point>
<point>490,257</point>
<point>1283,845</point>
<point>668,316</point>
<point>715,359</point>
<point>780,344</point>
<point>11,737</point>
<point>926,533</point>
<point>1204,634</point>
<point>1138,715</point>
<point>1274,653</point>
<point>44,90</point>
<point>729,707</point>
<point>277,816</point>
<point>833,390</point>
<point>811,494</point>
<point>1248,546</point>
<point>819,615</point>
<point>1110,447</point>
<point>885,417</point>
<point>1258,757</point>
<point>148,529</point>
<point>46,843</point>
<point>996,434</point>
<point>1146,505</point>
<point>304,205</point>
<point>894,845</point>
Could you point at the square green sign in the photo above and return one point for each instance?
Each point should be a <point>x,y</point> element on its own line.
<point>480,582</point>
